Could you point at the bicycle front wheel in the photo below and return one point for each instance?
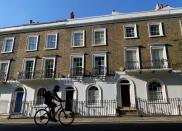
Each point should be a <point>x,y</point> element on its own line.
<point>66,118</point>
<point>41,117</point>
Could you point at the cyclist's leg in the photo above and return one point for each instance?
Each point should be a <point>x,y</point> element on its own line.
<point>53,114</point>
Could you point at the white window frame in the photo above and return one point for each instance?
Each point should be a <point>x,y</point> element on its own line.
<point>27,45</point>
<point>77,56</point>
<point>135,30</point>
<point>48,58</point>
<point>4,42</point>
<point>137,54</point>
<point>56,34</point>
<point>99,99</point>
<point>180,23</point>
<point>163,47</point>
<point>164,95</point>
<point>73,38</point>
<point>160,29</point>
<point>36,102</point>
<point>100,29</point>
<point>7,71</point>
<point>24,64</point>
<point>105,62</point>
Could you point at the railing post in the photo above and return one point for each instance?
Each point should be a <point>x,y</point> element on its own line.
<point>179,107</point>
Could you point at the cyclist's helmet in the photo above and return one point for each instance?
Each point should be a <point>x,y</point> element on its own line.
<point>56,88</point>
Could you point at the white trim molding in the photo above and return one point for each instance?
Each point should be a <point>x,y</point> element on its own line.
<point>134,26</point>
<point>27,45</point>
<point>94,40</point>
<point>4,42</point>
<point>159,24</point>
<point>24,66</point>
<point>51,34</point>
<point>73,38</point>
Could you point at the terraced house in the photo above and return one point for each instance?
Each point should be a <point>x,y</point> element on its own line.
<point>101,63</point>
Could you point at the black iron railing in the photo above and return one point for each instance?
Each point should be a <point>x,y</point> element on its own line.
<point>154,64</point>
<point>3,76</point>
<point>160,107</point>
<point>78,71</point>
<point>99,71</point>
<point>37,74</point>
<point>80,108</point>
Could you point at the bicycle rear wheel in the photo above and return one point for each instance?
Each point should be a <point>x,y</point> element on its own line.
<point>66,118</point>
<point>41,117</point>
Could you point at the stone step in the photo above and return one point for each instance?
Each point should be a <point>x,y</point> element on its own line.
<point>4,116</point>
<point>128,112</point>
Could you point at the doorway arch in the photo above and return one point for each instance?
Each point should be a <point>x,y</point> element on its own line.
<point>126,93</point>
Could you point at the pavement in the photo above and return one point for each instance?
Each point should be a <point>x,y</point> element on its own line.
<point>99,120</point>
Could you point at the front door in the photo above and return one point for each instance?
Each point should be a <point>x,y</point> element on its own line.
<point>18,102</point>
<point>69,100</point>
<point>125,95</point>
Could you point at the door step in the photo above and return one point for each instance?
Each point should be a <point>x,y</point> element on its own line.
<point>127,111</point>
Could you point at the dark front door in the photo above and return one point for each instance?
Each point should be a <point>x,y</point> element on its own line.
<point>18,102</point>
<point>125,95</point>
<point>69,100</point>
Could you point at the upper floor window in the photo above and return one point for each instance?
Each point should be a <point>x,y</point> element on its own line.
<point>48,67</point>
<point>99,64</point>
<point>156,90</point>
<point>77,65</point>
<point>51,41</point>
<point>155,29</point>
<point>78,38</point>
<point>28,68</point>
<point>32,43</point>
<point>130,31</point>
<point>8,45</point>
<point>4,67</point>
<point>132,59</point>
<point>159,56</point>
<point>99,37</point>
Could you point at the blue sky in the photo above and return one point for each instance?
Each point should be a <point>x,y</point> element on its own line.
<point>17,12</point>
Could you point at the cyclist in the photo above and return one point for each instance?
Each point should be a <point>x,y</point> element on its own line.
<point>49,97</point>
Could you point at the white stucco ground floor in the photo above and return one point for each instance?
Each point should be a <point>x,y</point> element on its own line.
<point>149,92</point>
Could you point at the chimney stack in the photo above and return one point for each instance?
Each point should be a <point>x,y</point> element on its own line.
<point>72,15</point>
<point>31,21</point>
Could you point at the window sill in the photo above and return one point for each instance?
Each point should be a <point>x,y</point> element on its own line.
<point>6,52</point>
<point>136,37</point>
<point>99,45</point>
<point>78,46</point>
<point>50,48</point>
<point>153,36</point>
<point>30,50</point>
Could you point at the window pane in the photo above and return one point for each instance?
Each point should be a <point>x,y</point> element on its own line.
<point>8,45</point>
<point>29,69</point>
<point>40,96</point>
<point>77,66</point>
<point>155,90</point>
<point>93,95</point>
<point>131,59</point>
<point>129,32</point>
<point>99,37</point>
<point>99,67</point>
<point>51,41</point>
<point>3,70</point>
<point>32,43</point>
<point>154,30</point>
<point>78,39</point>
<point>49,68</point>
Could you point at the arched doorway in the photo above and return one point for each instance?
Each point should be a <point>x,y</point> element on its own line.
<point>125,93</point>
<point>18,102</point>
<point>69,98</point>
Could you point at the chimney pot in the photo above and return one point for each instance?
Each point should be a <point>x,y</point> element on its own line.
<point>72,15</point>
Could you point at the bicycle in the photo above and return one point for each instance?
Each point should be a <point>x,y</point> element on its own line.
<point>43,116</point>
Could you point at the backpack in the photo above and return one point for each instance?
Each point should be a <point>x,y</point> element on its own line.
<point>48,97</point>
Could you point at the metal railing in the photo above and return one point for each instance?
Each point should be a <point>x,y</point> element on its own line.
<point>99,71</point>
<point>36,74</point>
<point>80,108</point>
<point>3,76</point>
<point>154,64</point>
<point>163,107</point>
<point>78,71</point>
